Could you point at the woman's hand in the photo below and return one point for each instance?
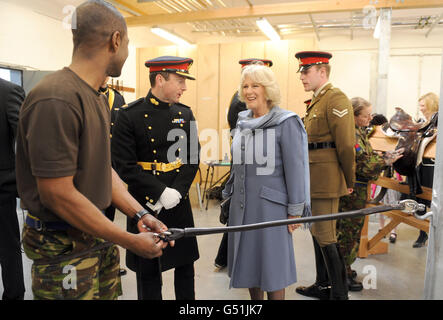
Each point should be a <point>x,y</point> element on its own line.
<point>292,227</point>
<point>391,156</point>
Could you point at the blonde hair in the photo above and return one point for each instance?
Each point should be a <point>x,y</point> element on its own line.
<point>264,76</point>
<point>431,102</point>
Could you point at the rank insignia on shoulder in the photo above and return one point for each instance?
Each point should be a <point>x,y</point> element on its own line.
<point>339,113</point>
<point>178,121</point>
<point>154,102</point>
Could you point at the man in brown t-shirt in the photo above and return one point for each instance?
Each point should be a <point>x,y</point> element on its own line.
<point>64,173</point>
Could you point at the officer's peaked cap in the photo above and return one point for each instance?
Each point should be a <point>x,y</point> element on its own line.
<point>177,65</point>
<point>309,58</point>
<point>245,62</point>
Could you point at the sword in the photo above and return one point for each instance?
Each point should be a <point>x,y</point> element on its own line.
<point>408,206</point>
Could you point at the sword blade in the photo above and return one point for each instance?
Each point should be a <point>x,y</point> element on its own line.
<point>191,232</point>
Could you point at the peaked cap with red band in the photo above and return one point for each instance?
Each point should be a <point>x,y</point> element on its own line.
<point>246,62</point>
<point>309,58</point>
<point>177,65</point>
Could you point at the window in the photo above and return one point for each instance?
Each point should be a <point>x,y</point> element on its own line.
<point>12,75</point>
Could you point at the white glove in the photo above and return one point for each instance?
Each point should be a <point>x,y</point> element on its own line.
<point>170,198</point>
<point>156,208</point>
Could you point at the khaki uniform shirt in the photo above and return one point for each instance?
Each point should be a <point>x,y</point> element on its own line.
<point>329,118</point>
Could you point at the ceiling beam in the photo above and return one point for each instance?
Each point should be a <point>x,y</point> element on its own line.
<point>127,7</point>
<point>278,9</point>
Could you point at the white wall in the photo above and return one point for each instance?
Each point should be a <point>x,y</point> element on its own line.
<point>414,66</point>
<point>37,42</point>
<point>32,40</point>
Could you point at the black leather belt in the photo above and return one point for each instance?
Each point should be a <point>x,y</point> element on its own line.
<point>39,225</point>
<point>320,145</point>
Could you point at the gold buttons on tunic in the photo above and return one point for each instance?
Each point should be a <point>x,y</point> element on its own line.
<point>181,125</point>
<point>149,128</point>
<point>147,198</point>
<point>180,113</point>
<point>146,115</point>
<point>151,201</point>
<point>178,170</point>
<point>152,140</point>
<point>155,151</point>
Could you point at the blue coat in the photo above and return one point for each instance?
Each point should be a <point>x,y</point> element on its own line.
<point>269,181</point>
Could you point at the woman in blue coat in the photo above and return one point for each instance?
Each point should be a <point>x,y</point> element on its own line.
<point>269,181</point>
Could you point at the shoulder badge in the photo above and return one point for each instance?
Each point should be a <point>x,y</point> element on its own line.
<point>134,103</point>
<point>339,113</point>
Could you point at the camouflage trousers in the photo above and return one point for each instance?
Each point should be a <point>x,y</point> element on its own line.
<point>349,230</point>
<point>71,265</point>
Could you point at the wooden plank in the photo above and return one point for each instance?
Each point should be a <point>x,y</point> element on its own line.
<point>381,234</point>
<point>277,9</point>
<point>278,52</point>
<point>363,248</point>
<point>403,188</point>
<point>410,220</point>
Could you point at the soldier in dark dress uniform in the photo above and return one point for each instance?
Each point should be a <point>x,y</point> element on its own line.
<point>235,106</point>
<point>155,150</point>
<point>115,102</point>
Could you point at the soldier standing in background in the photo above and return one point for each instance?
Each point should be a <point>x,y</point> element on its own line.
<point>155,150</point>
<point>329,124</point>
<point>369,165</point>
<point>12,97</point>
<point>115,102</point>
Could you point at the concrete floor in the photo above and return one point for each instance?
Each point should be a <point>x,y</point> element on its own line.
<point>396,275</point>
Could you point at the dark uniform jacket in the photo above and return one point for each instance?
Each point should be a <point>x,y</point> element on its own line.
<point>141,135</point>
<point>11,98</point>
<point>115,102</point>
<point>235,107</point>
<point>330,118</point>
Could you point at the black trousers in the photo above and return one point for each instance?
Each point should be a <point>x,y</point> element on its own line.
<point>149,280</point>
<point>222,255</point>
<point>10,251</point>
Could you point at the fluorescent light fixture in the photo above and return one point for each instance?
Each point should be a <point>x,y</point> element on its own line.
<point>267,29</point>
<point>170,36</point>
<point>377,29</point>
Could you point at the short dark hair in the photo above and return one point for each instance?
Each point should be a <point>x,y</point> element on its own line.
<point>153,75</point>
<point>94,23</point>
